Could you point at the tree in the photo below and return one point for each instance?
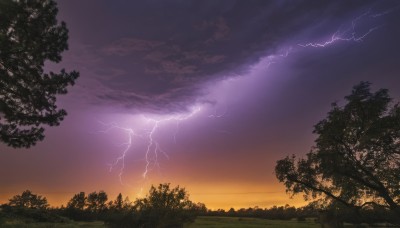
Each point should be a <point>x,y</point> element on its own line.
<point>118,204</point>
<point>77,208</point>
<point>162,207</point>
<point>29,200</point>
<point>78,202</point>
<point>120,213</point>
<point>96,202</point>
<point>356,159</point>
<point>165,207</point>
<point>29,36</point>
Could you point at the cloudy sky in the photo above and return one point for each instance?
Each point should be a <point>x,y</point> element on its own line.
<point>201,94</point>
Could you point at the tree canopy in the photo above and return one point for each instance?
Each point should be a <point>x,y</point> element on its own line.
<point>166,207</point>
<point>162,207</point>
<point>29,36</point>
<point>29,200</point>
<point>97,201</point>
<point>356,157</point>
<point>78,201</point>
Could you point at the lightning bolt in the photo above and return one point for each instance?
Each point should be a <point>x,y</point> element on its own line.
<point>153,148</point>
<point>341,36</point>
<point>350,34</point>
<point>120,159</point>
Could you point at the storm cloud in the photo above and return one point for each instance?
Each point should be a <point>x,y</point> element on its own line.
<point>157,60</point>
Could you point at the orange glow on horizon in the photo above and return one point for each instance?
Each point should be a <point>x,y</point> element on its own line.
<point>214,196</point>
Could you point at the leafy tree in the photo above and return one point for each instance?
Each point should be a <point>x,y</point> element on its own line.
<point>77,208</point>
<point>120,213</point>
<point>101,201</point>
<point>356,159</point>
<point>96,202</point>
<point>162,207</point>
<point>92,204</point>
<point>29,36</point>
<point>200,208</point>
<point>165,207</point>
<point>120,204</point>
<point>29,200</point>
<point>78,202</point>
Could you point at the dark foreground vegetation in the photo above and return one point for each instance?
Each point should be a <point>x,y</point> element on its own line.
<point>354,166</point>
<point>330,215</point>
<point>163,207</point>
<point>170,207</point>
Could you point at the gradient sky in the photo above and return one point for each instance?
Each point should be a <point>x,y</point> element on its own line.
<point>239,74</point>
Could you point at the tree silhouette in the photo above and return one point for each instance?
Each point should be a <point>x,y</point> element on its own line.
<point>356,159</point>
<point>78,202</point>
<point>118,203</point>
<point>96,202</point>
<point>164,206</point>
<point>78,208</point>
<point>29,36</point>
<point>29,200</point>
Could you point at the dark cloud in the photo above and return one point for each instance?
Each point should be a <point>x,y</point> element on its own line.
<point>163,52</point>
<point>127,46</point>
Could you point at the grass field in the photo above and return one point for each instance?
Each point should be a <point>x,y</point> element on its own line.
<point>233,222</point>
<point>202,221</point>
<point>17,224</point>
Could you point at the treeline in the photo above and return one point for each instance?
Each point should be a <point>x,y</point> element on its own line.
<point>320,212</point>
<point>162,207</point>
<point>276,212</point>
<point>170,207</point>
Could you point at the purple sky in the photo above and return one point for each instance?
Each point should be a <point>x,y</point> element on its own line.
<point>216,90</point>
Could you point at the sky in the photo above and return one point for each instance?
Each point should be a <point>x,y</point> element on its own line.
<point>207,95</point>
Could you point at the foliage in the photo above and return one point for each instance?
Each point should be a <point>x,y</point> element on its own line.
<point>76,208</point>
<point>96,202</point>
<point>356,159</point>
<point>155,210</point>
<point>274,213</point>
<point>32,218</point>
<point>165,207</point>
<point>162,207</point>
<point>78,201</point>
<point>119,205</point>
<point>29,36</point>
<point>86,208</point>
<point>29,207</point>
<point>28,215</point>
<point>29,200</point>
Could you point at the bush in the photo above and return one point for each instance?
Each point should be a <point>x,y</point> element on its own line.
<point>29,215</point>
<point>163,207</point>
